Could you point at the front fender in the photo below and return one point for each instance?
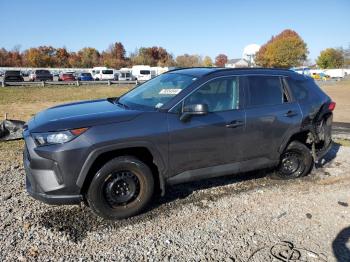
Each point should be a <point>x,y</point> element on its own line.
<point>157,159</point>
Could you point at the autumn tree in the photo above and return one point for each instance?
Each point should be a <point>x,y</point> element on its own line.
<point>187,60</point>
<point>284,50</point>
<point>330,58</point>
<point>207,61</point>
<point>74,60</point>
<point>89,57</point>
<point>153,56</point>
<point>3,57</point>
<point>115,56</point>
<point>42,56</point>
<point>62,57</point>
<point>221,60</point>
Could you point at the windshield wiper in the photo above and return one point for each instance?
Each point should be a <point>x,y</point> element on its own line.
<point>122,105</point>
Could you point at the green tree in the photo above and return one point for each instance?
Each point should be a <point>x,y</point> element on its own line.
<point>207,61</point>
<point>285,50</point>
<point>330,58</point>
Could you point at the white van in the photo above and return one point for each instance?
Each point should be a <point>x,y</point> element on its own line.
<point>125,74</point>
<point>102,73</point>
<point>141,72</point>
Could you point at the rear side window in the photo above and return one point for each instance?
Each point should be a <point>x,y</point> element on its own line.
<point>265,90</point>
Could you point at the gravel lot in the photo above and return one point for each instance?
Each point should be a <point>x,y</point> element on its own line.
<point>237,218</point>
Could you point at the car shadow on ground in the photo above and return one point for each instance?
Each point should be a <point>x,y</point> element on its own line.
<point>75,222</point>
<point>340,250</point>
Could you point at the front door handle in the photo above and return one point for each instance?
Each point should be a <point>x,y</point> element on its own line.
<point>290,113</point>
<point>234,124</point>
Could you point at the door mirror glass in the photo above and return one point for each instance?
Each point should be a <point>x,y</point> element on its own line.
<point>191,110</point>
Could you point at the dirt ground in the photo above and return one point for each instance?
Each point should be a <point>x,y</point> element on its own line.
<point>245,217</point>
<point>339,91</point>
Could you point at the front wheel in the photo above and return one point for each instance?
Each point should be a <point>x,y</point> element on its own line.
<point>296,161</point>
<point>122,188</point>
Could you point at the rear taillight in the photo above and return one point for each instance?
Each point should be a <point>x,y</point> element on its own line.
<point>331,106</point>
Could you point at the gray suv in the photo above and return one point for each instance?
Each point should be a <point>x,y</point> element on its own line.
<point>184,125</point>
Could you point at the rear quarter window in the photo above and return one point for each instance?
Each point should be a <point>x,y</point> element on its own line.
<point>299,89</point>
<point>304,90</point>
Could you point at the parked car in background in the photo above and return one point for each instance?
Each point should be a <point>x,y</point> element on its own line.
<point>184,125</point>
<point>41,75</point>
<point>25,73</point>
<point>102,73</point>
<point>85,76</point>
<point>141,72</point>
<point>13,76</point>
<point>55,73</point>
<point>125,76</point>
<point>66,77</point>
<point>320,76</point>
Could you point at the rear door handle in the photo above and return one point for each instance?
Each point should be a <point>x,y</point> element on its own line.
<point>290,113</point>
<point>234,124</point>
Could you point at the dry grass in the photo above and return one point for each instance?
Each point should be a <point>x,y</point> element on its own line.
<point>340,93</point>
<point>23,102</point>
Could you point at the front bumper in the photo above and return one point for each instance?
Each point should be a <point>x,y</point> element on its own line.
<point>44,180</point>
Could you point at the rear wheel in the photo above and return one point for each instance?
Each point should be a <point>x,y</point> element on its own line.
<point>122,188</point>
<point>296,161</point>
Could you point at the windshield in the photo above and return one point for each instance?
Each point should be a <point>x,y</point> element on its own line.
<point>107,72</point>
<point>14,73</point>
<point>145,72</point>
<point>42,72</point>
<point>85,74</point>
<point>158,91</point>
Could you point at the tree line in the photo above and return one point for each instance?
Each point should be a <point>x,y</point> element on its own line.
<point>284,50</point>
<point>114,56</point>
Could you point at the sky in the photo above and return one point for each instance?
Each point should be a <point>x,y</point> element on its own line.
<point>206,27</point>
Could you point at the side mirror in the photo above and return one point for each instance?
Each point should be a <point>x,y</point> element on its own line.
<point>193,110</point>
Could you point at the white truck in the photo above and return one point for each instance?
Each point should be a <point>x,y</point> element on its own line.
<point>141,72</point>
<point>102,73</point>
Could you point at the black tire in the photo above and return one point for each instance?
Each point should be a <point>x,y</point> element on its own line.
<point>296,161</point>
<point>107,199</point>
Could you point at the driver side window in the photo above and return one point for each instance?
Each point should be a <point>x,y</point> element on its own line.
<point>220,95</point>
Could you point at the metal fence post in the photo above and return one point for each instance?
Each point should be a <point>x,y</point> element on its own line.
<point>3,84</point>
<point>78,83</point>
<point>43,83</point>
<point>109,82</point>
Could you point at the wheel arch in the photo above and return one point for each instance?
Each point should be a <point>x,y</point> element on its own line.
<point>142,151</point>
<point>301,136</point>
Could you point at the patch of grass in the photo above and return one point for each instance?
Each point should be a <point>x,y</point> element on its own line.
<point>36,94</point>
<point>343,142</point>
<point>24,102</point>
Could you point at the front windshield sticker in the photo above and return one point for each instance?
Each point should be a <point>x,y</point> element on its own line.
<point>158,105</point>
<point>173,91</point>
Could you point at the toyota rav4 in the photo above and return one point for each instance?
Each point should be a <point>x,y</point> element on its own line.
<point>116,153</point>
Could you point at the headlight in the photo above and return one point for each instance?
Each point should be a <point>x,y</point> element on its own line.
<point>59,137</point>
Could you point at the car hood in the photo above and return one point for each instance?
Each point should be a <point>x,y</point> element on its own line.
<point>80,114</point>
